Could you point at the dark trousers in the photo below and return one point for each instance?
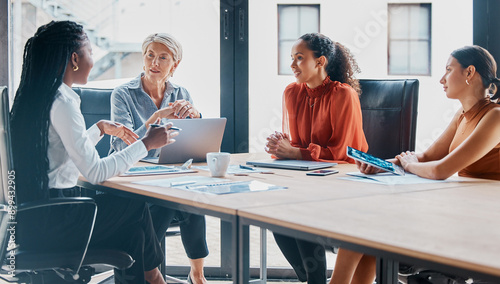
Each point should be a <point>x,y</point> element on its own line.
<point>193,229</point>
<point>121,223</point>
<point>307,259</point>
<point>126,224</point>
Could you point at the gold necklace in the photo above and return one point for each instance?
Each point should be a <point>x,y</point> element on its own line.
<point>324,91</point>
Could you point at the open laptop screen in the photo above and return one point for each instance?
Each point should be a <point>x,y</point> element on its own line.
<point>195,140</point>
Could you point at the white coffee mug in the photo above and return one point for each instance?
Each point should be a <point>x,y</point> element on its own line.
<point>218,162</point>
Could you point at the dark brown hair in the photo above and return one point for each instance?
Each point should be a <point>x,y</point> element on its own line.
<point>484,63</point>
<point>341,64</point>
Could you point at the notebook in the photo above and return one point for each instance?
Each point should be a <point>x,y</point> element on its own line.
<point>195,140</point>
<point>291,164</point>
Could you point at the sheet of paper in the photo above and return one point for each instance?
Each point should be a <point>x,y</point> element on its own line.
<point>156,170</point>
<point>235,169</point>
<point>233,187</point>
<point>388,178</point>
<point>180,182</point>
<point>211,185</point>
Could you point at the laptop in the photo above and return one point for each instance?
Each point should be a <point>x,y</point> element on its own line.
<point>195,140</point>
<point>291,164</point>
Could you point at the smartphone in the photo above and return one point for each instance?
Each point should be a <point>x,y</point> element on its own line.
<point>322,172</point>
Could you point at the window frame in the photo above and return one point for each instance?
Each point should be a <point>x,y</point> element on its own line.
<point>279,40</point>
<point>409,40</point>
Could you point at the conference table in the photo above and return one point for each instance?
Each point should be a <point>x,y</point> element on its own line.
<point>449,226</point>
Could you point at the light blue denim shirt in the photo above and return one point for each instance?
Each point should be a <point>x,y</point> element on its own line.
<point>131,106</point>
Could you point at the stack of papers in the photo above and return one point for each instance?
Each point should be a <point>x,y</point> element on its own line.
<point>212,185</point>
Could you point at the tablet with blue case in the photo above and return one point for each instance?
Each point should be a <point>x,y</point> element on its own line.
<point>374,161</point>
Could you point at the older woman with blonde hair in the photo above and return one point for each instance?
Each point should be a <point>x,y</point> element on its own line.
<point>141,102</point>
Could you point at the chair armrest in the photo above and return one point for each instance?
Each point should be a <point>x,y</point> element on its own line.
<point>58,225</point>
<point>55,202</point>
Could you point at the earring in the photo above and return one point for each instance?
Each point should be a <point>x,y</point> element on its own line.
<point>144,68</point>
<point>75,68</point>
<point>466,81</point>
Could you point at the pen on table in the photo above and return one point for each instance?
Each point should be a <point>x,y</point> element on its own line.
<point>246,168</point>
<point>171,128</point>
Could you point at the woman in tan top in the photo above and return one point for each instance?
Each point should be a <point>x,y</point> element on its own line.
<point>471,143</point>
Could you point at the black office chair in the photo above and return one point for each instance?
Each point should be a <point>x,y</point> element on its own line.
<point>45,263</point>
<point>389,110</point>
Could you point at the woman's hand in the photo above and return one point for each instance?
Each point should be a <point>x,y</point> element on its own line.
<point>273,141</point>
<point>367,169</point>
<point>178,109</point>
<point>157,137</point>
<point>279,145</point>
<point>182,109</point>
<point>117,129</point>
<point>407,158</point>
<point>166,112</point>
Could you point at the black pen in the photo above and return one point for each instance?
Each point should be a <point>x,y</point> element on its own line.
<point>171,128</point>
<point>247,168</point>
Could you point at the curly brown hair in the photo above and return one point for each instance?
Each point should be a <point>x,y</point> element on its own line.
<point>341,64</point>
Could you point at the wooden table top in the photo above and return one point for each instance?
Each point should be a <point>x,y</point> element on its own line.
<point>454,223</point>
<point>456,226</point>
<point>300,188</point>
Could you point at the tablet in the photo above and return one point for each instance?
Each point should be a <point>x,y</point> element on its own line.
<point>374,161</point>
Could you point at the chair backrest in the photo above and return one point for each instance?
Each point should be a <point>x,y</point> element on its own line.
<point>96,105</point>
<point>6,176</point>
<point>389,110</point>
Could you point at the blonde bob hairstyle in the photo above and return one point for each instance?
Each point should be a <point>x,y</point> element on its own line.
<point>167,40</point>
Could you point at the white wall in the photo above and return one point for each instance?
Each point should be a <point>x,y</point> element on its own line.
<point>362,26</point>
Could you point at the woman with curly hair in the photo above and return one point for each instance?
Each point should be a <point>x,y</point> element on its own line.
<point>321,111</point>
<point>321,117</point>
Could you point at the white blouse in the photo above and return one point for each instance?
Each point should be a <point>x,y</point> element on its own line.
<point>72,149</point>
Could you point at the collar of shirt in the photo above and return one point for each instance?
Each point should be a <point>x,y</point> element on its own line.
<point>66,92</point>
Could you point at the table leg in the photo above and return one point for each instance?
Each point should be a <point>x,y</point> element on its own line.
<point>230,237</point>
<point>387,271</point>
<point>244,253</point>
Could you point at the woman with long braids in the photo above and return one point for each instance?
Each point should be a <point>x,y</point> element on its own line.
<point>321,117</point>
<point>51,147</point>
<point>470,145</point>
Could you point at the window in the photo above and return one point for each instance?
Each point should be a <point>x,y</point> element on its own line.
<point>409,47</point>
<point>294,21</point>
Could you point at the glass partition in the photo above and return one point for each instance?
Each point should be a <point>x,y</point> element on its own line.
<point>117,28</point>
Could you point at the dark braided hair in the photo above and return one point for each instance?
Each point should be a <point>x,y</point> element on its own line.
<point>484,63</point>
<point>45,58</point>
<point>341,64</point>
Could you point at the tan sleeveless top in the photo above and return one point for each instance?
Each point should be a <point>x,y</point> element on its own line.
<point>488,166</point>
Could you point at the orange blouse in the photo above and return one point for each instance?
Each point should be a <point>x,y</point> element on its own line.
<point>487,167</point>
<point>323,121</point>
